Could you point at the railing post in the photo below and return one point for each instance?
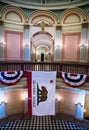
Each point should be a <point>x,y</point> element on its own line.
<point>22,66</point>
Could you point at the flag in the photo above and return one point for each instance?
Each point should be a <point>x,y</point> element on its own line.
<point>41,92</point>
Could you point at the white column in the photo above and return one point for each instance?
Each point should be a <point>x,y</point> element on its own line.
<point>25,101</point>
<point>83,47</point>
<point>57,56</point>
<point>80,105</point>
<point>2,105</point>
<point>27,43</point>
<point>1,41</point>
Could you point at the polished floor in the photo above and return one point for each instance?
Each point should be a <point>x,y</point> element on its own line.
<point>41,123</point>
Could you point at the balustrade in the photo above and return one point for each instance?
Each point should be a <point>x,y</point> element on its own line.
<point>70,67</point>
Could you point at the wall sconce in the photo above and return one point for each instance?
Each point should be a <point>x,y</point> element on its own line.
<point>37,52</point>
<point>2,43</point>
<point>83,45</point>
<point>25,95</point>
<point>84,110</point>
<point>27,45</point>
<point>58,46</point>
<point>58,97</point>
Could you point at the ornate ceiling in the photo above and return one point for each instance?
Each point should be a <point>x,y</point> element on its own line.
<point>46,4</point>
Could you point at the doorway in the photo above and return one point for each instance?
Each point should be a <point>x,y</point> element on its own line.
<point>42,56</point>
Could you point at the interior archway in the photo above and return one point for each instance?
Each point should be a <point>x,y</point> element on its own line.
<point>42,47</point>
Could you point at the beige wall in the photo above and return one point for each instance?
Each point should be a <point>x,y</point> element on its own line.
<point>86,107</point>
<point>67,102</point>
<point>15,102</point>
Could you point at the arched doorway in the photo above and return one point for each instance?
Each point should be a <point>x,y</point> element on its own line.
<point>42,45</point>
<point>42,56</point>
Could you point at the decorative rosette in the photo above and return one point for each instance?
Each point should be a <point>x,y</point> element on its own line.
<point>10,77</point>
<point>74,80</point>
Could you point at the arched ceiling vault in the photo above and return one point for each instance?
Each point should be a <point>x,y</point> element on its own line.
<point>42,38</point>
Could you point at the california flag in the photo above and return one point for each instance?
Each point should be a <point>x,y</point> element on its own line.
<point>41,92</point>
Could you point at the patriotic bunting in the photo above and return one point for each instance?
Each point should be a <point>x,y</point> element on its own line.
<point>41,92</point>
<point>74,80</point>
<point>10,77</point>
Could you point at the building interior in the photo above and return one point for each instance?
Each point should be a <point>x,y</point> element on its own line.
<point>45,35</point>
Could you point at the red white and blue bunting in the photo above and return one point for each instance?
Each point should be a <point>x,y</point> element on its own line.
<point>74,80</point>
<point>10,77</point>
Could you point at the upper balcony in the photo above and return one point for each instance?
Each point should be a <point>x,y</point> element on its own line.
<point>70,67</point>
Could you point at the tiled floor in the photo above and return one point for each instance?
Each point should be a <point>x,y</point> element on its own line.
<point>41,123</point>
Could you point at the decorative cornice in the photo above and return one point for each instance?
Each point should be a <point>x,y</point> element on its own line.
<point>41,6</point>
<point>1,21</point>
<point>58,27</point>
<point>85,25</point>
<point>26,26</point>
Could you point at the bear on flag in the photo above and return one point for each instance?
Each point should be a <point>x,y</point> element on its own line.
<point>41,92</point>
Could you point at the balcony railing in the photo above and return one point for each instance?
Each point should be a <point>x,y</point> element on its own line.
<point>81,68</point>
